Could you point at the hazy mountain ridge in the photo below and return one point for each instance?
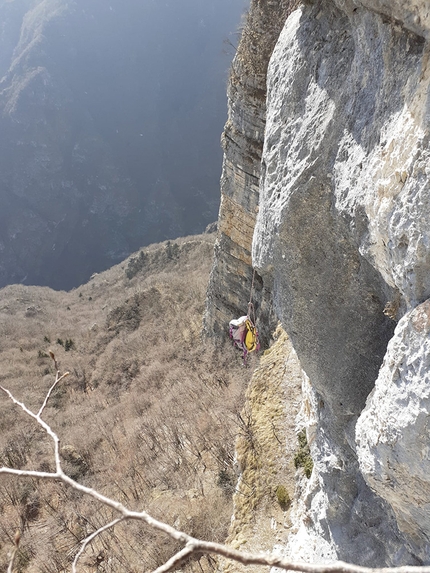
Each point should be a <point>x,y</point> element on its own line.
<point>110,127</point>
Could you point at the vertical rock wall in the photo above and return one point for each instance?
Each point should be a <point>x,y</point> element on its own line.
<point>231,279</point>
<point>342,240</point>
<point>343,233</point>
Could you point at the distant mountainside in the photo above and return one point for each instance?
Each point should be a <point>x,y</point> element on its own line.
<point>110,120</point>
<point>148,415</point>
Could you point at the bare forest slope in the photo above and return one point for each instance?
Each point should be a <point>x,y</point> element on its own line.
<point>148,414</point>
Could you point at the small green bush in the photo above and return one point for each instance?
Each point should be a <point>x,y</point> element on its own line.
<point>226,481</point>
<point>303,458</point>
<point>283,497</point>
<point>24,557</point>
<point>172,250</point>
<point>58,397</point>
<point>135,264</point>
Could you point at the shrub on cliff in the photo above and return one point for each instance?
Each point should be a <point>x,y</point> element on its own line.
<point>302,458</point>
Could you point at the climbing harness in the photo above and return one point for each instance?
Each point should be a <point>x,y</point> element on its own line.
<point>243,331</point>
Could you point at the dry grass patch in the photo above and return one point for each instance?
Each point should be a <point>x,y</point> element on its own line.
<point>265,451</point>
<point>148,415</point>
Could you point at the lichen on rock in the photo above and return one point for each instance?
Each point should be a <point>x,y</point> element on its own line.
<point>265,452</point>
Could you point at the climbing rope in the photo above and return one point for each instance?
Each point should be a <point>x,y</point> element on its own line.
<point>243,331</point>
<point>252,286</point>
<point>251,310</point>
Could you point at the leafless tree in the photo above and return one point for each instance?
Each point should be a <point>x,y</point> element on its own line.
<point>191,545</point>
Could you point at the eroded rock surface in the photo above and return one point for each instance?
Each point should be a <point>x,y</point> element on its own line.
<point>343,232</point>
<point>232,274</point>
<point>393,431</point>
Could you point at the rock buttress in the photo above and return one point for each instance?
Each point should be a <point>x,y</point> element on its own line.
<point>343,232</point>
<point>231,278</point>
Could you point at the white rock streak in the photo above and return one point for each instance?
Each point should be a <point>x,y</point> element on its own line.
<point>393,432</point>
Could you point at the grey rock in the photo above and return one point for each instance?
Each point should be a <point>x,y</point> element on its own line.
<point>393,431</point>
<point>343,233</point>
<point>233,282</point>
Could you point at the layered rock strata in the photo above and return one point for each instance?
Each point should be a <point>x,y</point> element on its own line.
<point>343,233</point>
<point>232,274</point>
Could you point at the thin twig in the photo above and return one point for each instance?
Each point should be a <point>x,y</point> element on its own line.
<point>44,425</point>
<point>14,552</point>
<point>58,379</point>
<point>176,560</point>
<point>30,473</point>
<point>12,559</point>
<point>88,540</point>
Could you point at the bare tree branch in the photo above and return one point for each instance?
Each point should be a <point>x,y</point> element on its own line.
<point>30,473</point>
<point>176,560</point>
<point>12,559</point>
<point>44,425</point>
<point>14,551</point>
<point>192,546</point>
<point>88,540</point>
<point>58,379</point>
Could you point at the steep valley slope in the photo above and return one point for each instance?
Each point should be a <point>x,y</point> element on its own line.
<point>148,414</point>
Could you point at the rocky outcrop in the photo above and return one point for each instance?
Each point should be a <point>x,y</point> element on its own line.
<point>343,234</point>
<point>232,274</point>
<point>393,431</point>
<point>105,126</point>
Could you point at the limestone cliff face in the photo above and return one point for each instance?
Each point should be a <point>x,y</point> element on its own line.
<point>393,431</point>
<point>343,232</point>
<point>231,279</point>
<point>342,246</point>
